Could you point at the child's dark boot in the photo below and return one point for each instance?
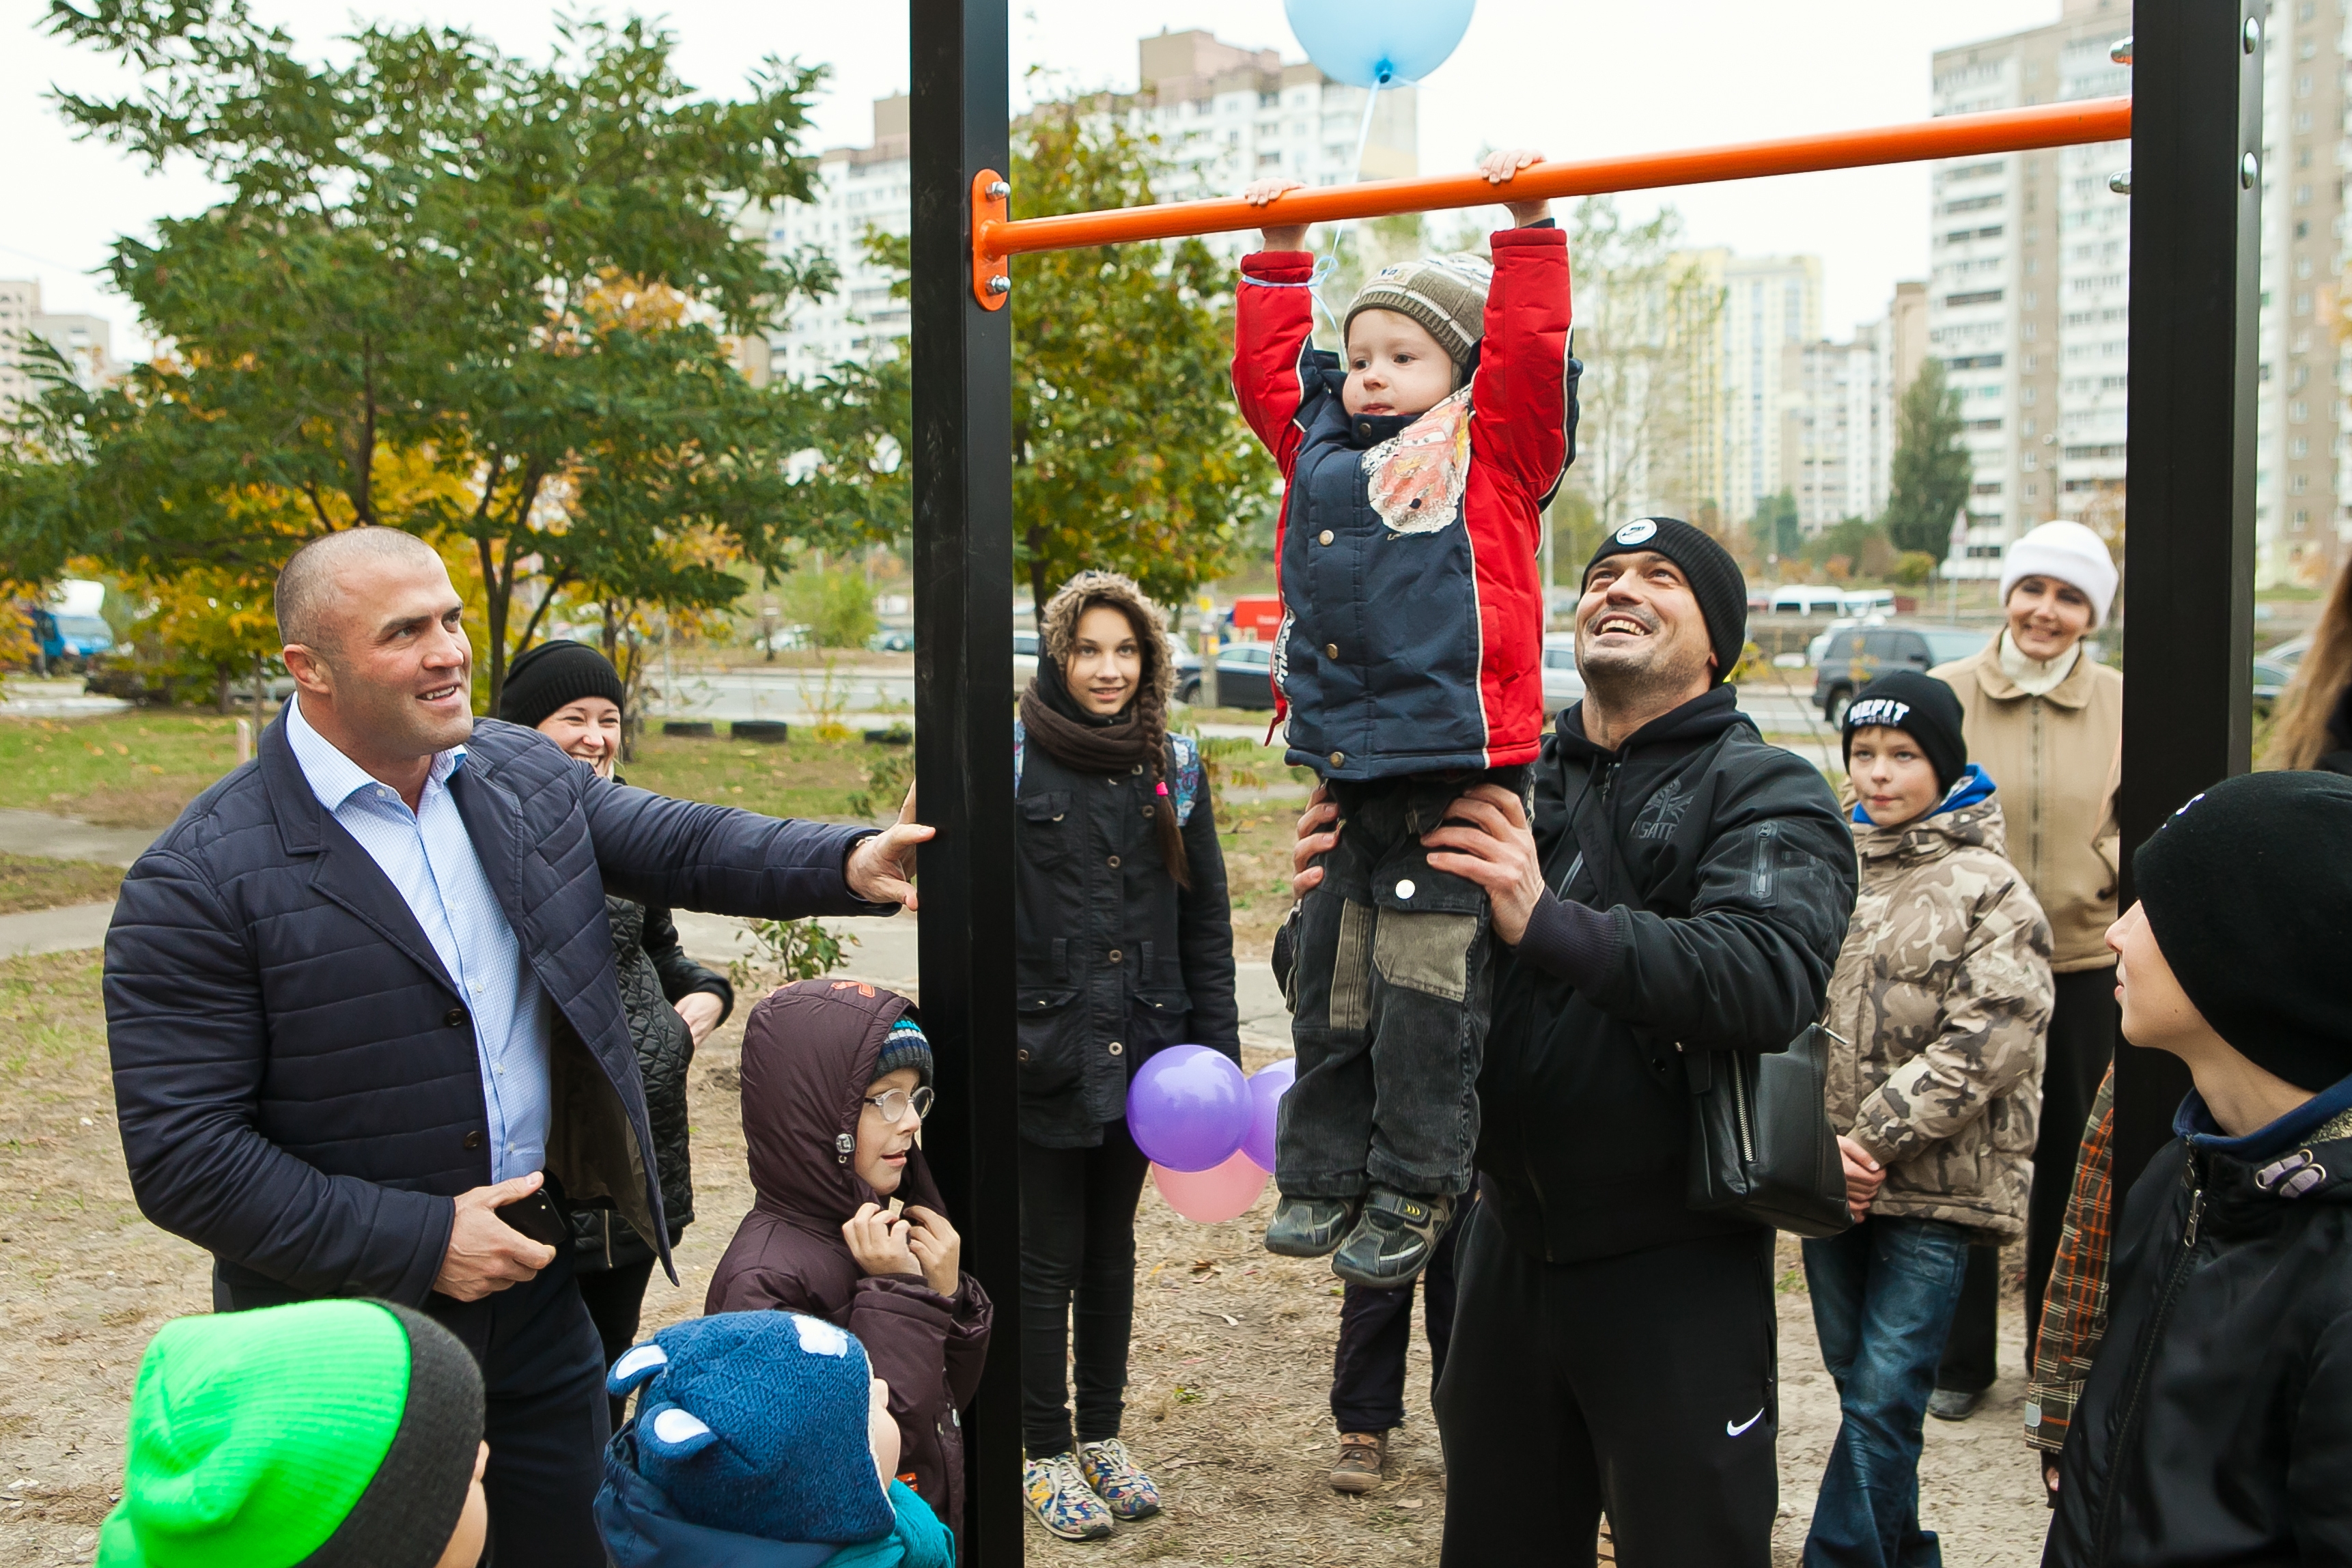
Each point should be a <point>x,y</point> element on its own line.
<point>1393,1241</point>
<point>1309,1227</point>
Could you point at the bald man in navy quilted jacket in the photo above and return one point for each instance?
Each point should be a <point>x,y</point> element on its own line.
<point>359,1000</point>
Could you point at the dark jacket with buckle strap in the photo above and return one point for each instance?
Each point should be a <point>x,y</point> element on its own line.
<point>1114,960</point>
<point>295,1073</point>
<point>1727,873</point>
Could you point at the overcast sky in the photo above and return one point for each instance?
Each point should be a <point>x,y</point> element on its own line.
<point>1572,79</point>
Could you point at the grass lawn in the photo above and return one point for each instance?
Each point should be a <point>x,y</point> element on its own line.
<point>119,769</point>
<point>803,777</point>
<point>26,883</point>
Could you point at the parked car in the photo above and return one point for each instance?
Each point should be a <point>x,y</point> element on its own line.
<point>1807,599</point>
<point>891,639</point>
<point>68,641</point>
<point>1858,655</point>
<point>1245,677</point>
<point>1563,686</point>
<point>2271,677</point>
<point>1024,656</point>
<point>2289,654</point>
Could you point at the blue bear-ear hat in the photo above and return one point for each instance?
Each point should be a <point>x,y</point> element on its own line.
<point>755,1423</point>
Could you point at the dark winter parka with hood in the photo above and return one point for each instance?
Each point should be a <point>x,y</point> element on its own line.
<point>1115,960</point>
<point>808,1052</point>
<point>2217,1423</point>
<point>1728,874</point>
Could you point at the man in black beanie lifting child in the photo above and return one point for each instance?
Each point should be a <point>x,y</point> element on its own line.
<point>2217,1423</point>
<point>1683,889</point>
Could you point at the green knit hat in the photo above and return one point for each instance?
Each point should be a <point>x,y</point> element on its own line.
<point>323,1434</point>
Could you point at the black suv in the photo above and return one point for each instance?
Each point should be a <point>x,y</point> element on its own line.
<point>1858,655</point>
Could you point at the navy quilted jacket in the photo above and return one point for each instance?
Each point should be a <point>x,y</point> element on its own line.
<point>294,1072</point>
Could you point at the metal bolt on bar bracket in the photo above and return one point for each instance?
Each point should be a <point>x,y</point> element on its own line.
<point>991,273</point>
<point>2253,34</point>
<point>2250,169</point>
<point>2121,51</point>
<point>2120,181</point>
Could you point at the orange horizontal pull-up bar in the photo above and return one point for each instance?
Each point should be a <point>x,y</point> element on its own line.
<point>995,237</point>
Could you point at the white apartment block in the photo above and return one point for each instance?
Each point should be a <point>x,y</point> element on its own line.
<point>1222,116</point>
<point>1837,444</point>
<point>87,341</point>
<point>2300,521</point>
<point>2020,258</point>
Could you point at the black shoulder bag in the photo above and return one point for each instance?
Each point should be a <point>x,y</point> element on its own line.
<point>1761,1145</point>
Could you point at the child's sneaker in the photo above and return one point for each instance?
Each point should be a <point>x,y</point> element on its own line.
<point>1058,1495</point>
<point>1358,1470</point>
<point>1393,1240</point>
<point>1309,1227</point>
<point>1116,1478</point>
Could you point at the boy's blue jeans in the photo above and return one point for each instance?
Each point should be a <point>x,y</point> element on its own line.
<point>1883,1295</point>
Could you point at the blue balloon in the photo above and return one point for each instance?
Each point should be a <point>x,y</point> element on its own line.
<point>1377,43</point>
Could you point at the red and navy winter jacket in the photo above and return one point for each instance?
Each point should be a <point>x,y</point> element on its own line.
<point>1412,637</point>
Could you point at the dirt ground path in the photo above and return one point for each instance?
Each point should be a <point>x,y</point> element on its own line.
<point>1229,1385</point>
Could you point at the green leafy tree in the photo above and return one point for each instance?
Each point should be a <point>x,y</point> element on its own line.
<point>1776,526</point>
<point>1128,451</point>
<point>402,315</point>
<point>1929,483</point>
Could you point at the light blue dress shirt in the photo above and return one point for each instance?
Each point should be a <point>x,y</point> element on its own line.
<point>429,857</point>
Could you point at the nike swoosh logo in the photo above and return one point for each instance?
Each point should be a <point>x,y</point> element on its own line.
<point>1731,1431</point>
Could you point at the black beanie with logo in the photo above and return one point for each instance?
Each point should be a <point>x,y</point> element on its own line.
<point>1922,708</point>
<point>2248,888</point>
<point>1714,577</point>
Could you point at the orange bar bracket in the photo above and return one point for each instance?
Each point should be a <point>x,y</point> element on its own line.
<point>995,238</point>
<point>992,269</point>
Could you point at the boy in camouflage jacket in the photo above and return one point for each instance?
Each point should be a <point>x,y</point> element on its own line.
<point>1940,1001</point>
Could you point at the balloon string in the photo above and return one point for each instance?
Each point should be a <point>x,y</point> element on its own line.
<point>1340,231</point>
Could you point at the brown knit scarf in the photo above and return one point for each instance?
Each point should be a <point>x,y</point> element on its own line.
<point>1138,736</point>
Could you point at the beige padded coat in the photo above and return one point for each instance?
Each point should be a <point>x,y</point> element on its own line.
<point>2056,761</point>
<point>1940,1000</point>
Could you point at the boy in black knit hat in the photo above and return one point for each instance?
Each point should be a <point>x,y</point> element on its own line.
<point>1417,463</point>
<point>2216,1425</point>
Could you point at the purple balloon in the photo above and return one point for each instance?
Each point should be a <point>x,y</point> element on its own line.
<point>1266,1087</point>
<point>1188,1108</point>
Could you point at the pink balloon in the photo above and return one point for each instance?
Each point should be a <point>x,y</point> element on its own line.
<point>1214,1195</point>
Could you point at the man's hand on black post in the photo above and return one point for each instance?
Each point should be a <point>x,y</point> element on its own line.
<point>881,869</point>
<point>486,1254</point>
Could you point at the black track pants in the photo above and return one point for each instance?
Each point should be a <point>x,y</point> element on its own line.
<point>1640,1386</point>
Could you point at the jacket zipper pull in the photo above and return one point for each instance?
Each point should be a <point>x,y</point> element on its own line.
<point>2196,1207</point>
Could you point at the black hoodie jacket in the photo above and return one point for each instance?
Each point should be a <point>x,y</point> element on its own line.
<point>1726,875</point>
<point>2217,1423</point>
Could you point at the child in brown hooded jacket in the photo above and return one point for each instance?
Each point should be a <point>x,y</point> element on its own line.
<point>837,1079</point>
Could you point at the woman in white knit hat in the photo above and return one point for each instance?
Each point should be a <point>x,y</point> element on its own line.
<point>2046,721</point>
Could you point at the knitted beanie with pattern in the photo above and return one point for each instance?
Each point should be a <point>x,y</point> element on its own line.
<point>905,1047</point>
<point>328,1434</point>
<point>1446,294</point>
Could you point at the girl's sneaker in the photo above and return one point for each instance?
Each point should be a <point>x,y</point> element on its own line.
<point>1062,1500</point>
<point>1112,1473</point>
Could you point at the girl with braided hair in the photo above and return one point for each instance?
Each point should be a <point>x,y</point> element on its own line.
<point>1124,944</point>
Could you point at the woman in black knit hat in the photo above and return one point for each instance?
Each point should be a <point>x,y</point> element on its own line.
<point>571,693</point>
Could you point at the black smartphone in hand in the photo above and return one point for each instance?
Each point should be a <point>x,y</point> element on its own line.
<point>537,1217</point>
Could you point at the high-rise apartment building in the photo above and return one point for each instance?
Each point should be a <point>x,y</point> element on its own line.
<point>2300,519</point>
<point>2018,261</point>
<point>1770,306</point>
<point>1837,442</point>
<point>86,341</point>
<point>1222,116</point>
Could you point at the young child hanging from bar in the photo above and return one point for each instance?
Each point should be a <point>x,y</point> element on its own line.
<point>1417,465</point>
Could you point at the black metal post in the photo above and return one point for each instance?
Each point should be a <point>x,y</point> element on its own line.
<point>2197,143</point>
<point>963,714</point>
